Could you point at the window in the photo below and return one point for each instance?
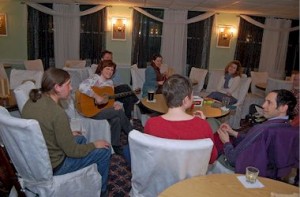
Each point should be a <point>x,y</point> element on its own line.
<point>248,45</point>
<point>146,36</point>
<point>92,35</point>
<point>40,44</point>
<point>292,58</point>
<point>198,41</point>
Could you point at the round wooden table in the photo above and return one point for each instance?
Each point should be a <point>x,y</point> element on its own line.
<point>159,105</point>
<point>220,185</point>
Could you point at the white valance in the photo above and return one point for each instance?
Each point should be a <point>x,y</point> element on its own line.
<point>271,28</point>
<point>52,12</point>
<point>187,21</point>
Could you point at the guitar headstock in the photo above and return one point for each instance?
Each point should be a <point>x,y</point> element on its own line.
<point>137,91</point>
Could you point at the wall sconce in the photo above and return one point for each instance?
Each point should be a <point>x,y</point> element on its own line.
<point>225,33</point>
<point>119,28</point>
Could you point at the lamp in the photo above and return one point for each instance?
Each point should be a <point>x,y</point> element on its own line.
<point>118,28</point>
<point>119,24</point>
<point>226,32</point>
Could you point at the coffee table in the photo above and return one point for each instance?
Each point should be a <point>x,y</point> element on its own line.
<point>159,105</point>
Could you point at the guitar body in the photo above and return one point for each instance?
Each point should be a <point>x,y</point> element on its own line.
<point>86,106</point>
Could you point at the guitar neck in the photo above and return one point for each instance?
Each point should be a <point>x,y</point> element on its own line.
<point>120,95</point>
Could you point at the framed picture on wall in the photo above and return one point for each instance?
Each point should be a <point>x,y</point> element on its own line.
<point>3,24</point>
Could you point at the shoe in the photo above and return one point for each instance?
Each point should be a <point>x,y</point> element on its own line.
<point>118,150</point>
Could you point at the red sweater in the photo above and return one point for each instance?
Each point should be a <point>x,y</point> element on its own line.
<point>195,128</point>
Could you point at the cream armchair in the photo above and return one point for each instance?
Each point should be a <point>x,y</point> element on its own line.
<point>157,163</point>
<point>27,149</point>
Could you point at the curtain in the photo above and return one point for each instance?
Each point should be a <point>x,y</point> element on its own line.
<point>248,46</point>
<point>67,34</point>
<point>92,36</point>
<point>173,47</point>
<point>40,37</point>
<point>292,59</point>
<point>146,36</point>
<point>198,42</point>
<point>274,48</point>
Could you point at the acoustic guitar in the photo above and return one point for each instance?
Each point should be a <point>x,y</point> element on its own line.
<point>86,105</point>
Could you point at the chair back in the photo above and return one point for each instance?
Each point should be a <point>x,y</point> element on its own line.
<point>22,93</point>
<point>243,89</point>
<point>214,77</point>
<point>138,77</point>
<point>198,75</point>
<point>276,84</point>
<point>26,147</point>
<point>17,77</point>
<point>157,163</point>
<point>77,75</point>
<point>75,63</point>
<point>34,65</point>
<point>258,77</point>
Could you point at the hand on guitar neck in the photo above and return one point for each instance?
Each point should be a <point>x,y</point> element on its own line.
<point>103,97</point>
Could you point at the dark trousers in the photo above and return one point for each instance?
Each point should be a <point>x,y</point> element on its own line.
<point>128,101</point>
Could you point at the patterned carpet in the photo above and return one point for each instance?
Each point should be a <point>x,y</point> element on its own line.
<point>119,183</point>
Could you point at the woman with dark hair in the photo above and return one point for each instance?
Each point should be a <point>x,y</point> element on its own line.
<point>67,152</point>
<point>115,115</point>
<point>153,78</point>
<point>229,83</point>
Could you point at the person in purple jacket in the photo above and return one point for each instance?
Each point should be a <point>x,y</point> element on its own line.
<point>277,108</point>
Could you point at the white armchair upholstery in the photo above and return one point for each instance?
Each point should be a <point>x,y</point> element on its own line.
<point>34,65</point>
<point>17,77</point>
<point>276,84</point>
<point>157,163</point>
<point>235,118</point>
<point>27,149</point>
<point>214,76</point>
<point>22,93</point>
<point>77,75</point>
<point>198,75</point>
<point>138,77</point>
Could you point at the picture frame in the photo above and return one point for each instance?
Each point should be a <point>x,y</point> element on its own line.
<point>119,29</point>
<point>3,24</point>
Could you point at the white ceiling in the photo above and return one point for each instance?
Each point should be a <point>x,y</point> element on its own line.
<point>276,8</point>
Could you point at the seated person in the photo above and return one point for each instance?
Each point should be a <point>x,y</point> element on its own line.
<point>277,108</point>
<point>229,83</point>
<point>68,152</point>
<point>114,114</point>
<point>129,100</point>
<point>176,123</point>
<point>154,79</point>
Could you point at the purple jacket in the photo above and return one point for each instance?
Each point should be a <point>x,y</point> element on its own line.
<point>243,141</point>
<point>275,152</point>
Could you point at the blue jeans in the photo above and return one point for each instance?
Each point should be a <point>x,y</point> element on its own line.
<point>100,156</point>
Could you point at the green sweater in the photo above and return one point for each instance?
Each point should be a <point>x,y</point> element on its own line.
<point>56,130</point>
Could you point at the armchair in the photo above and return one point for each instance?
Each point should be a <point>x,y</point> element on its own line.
<point>157,163</point>
<point>27,149</point>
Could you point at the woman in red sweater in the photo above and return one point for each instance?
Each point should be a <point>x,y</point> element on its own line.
<point>176,123</point>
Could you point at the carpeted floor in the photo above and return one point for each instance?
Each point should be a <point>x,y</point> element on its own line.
<point>119,183</point>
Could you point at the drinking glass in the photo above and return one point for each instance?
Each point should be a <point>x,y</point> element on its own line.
<point>150,95</point>
<point>251,174</point>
